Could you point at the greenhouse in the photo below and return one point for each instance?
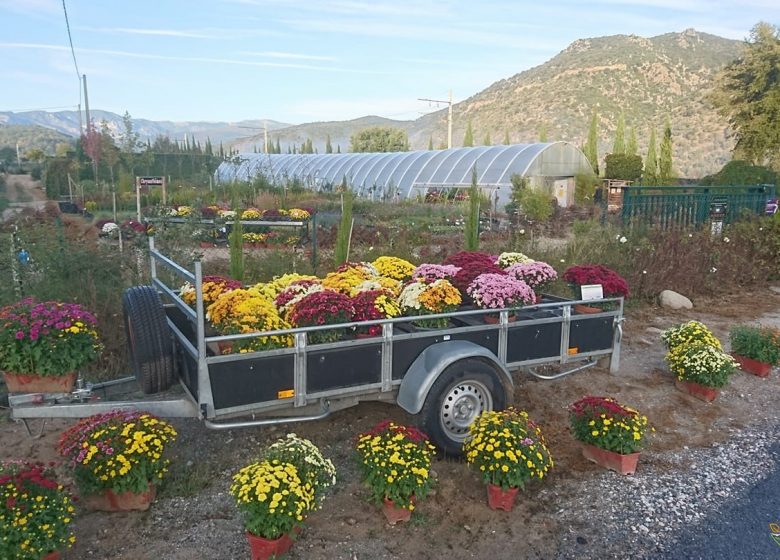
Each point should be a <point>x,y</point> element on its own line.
<point>403,175</point>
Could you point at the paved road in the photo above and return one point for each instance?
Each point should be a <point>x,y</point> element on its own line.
<point>741,529</point>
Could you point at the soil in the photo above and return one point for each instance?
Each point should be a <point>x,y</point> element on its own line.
<point>22,192</point>
<point>194,515</point>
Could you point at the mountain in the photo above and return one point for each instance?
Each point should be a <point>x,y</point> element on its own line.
<point>29,137</point>
<point>650,80</point>
<point>67,122</point>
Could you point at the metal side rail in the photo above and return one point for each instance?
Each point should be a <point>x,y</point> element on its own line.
<point>269,421</point>
<point>588,364</point>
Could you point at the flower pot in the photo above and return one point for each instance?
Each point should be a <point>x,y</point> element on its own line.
<point>32,383</point>
<point>225,347</point>
<point>108,500</point>
<point>580,308</point>
<point>749,365</point>
<point>495,319</point>
<point>365,335</point>
<point>623,464</point>
<point>498,498</point>
<point>394,513</point>
<point>54,555</point>
<point>701,392</point>
<point>206,245</point>
<point>263,548</point>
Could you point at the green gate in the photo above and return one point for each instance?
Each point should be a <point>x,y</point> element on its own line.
<point>691,206</point>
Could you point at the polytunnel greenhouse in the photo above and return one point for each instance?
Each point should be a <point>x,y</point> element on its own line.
<point>403,175</point>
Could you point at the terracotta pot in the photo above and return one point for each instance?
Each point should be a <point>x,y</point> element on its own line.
<point>623,464</point>
<point>395,514</point>
<point>498,498</point>
<point>495,319</point>
<point>206,245</point>
<point>54,555</point>
<point>749,365</point>
<point>225,347</point>
<point>31,383</point>
<point>580,308</point>
<point>538,298</point>
<point>108,500</point>
<point>263,548</point>
<point>702,392</point>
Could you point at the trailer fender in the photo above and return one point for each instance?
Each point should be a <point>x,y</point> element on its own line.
<point>432,361</point>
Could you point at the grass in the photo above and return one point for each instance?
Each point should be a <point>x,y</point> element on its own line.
<point>186,480</point>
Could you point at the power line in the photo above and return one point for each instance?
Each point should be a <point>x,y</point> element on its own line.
<point>70,40</point>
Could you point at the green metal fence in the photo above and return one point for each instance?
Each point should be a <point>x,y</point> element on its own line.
<point>691,206</point>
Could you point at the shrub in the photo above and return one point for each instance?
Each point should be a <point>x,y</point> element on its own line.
<point>702,364</point>
<point>757,343</point>
<point>605,423</point>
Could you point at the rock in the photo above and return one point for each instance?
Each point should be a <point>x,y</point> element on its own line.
<point>673,300</point>
<point>654,330</point>
<point>775,289</point>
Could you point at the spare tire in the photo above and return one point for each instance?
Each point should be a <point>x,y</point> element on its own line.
<point>148,338</point>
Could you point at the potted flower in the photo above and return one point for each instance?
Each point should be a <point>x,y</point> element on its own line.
<point>498,291</point>
<point>35,513</point>
<point>509,450</point>
<point>212,287</point>
<point>394,267</point>
<point>395,461</point>
<point>313,468</point>
<point>251,214</point>
<point>613,434</point>
<point>43,344</point>
<point>373,305</point>
<point>612,284</point>
<point>294,293</point>
<point>435,272</point>
<point>701,369</point>
<point>536,274</point>
<point>299,214</point>
<point>423,297</point>
<point>507,259</point>
<point>756,348</point>
<point>255,314</point>
<point>348,276</point>
<point>117,458</point>
<point>471,264</point>
<point>322,308</point>
<point>691,332</point>
<point>273,501</point>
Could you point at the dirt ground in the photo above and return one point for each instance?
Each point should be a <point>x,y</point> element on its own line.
<point>194,515</point>
<point>22,192</point>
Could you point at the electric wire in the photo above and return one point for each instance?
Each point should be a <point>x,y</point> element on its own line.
<point>70,40</point>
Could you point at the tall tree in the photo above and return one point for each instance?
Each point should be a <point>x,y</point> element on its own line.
<point>650,175</point>
<point>487,141</point>
<point>592,145</point>
<point>338,148</point>
<point>747,92</point>
<point>278,146</point>
<point>631,147</point>
<point>344,231</point>
<point>328,145</point>
<point>542,132</point>
<point>380,139</point>
<point>665,161</point>
<point>619,147</point>
<point>468,138</point>
<point>430,143</point>
<point>472,219</point>
<point>507,141</point>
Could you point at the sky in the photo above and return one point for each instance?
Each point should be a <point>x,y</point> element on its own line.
<point>299,61</point>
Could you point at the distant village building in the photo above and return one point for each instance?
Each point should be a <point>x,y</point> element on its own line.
<point>404,175</point>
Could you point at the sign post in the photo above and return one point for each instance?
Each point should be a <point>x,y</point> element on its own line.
<point>147,182</point>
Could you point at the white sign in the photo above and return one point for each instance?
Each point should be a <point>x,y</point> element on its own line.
<point>592,291</point>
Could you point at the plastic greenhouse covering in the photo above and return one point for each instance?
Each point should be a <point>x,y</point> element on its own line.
<point>402,175</point>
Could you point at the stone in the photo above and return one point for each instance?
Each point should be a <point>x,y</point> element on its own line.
<point>775,289</point>
<point>673,300</point>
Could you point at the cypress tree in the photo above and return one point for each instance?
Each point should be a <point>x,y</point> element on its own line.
<point>631,148</point>
<point>650,176</point>
<point>543,133</point>
<point>430,143</point>
<point>472,220</point>
<point>209,149</point>
<point>328,145</point>
<point>591,147</point>
<point>487,140</point>
<point>221,150</point>
<point>278,146</point>
<point>665,161</point>
<point>338,148</point>
<point>236,241</point>
<point>468,138</point>
<point>507,141</point>
<point>619,147</point>
<point>341,251</point>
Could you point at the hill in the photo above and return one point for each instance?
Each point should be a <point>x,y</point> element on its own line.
<point>29,137</point>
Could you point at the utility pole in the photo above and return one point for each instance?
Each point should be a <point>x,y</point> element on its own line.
<point>449,115</point>
<point>86,104</point>
<point>81,124</point>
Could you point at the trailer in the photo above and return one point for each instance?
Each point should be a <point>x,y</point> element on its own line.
<point>444,376</point>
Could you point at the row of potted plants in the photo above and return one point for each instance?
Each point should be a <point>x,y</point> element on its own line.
<point>249,214</point>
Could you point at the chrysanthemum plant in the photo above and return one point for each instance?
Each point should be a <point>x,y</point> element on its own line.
<point>312,467</point>
<point>701,363</point>
<point>609,425</point>
<point>497,291</point>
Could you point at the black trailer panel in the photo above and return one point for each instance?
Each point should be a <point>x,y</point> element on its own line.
<point>252,380</point>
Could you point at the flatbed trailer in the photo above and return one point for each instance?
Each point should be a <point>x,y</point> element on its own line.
<point>445,376</point>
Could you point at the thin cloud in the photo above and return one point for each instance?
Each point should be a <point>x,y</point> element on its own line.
<point>288,55</point>
<point>186,33</point>
<point>419,9</point>
<point>31,7</point>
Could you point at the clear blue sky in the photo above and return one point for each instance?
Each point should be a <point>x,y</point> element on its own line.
<point>300,60</point>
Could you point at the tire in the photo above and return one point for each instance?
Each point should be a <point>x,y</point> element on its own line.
<point>462,391</point>
<point>148,338</point>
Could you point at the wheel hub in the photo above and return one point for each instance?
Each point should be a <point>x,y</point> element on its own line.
<point>461,405</point>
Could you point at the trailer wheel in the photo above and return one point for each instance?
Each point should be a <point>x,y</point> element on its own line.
<point>462,391</point>
<point>148,339</point>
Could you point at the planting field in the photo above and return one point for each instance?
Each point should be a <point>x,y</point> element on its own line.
<point>691,467</point>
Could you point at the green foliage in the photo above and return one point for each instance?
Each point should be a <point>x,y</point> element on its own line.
<point>487,141</point>
<point>430,143</point>
<point>468,137</point>
<point>666,175</point>
<point>585,185</point>
<point>622,166</point>
<point>341,253</point>
<point>739,172</point>
<point>379,139</point>
<point>328,145</point>
<point>536,204</point>
<point>507,141</point>
<point>29,137</point>
<point>619,147</point>
<point>543,133</point>
<point>591,147</point>
<point>650,174</point>
<point>757,343</point>
<point>631,147</point>
<point>748,94</point>
<point>236,241</point>
<point>472,220</point>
